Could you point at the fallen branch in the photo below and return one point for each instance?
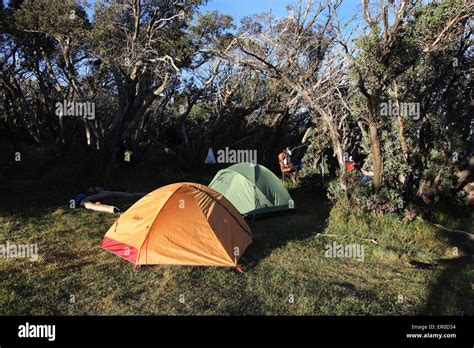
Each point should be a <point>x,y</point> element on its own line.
<point>468,235</point>
<point>100,207</point>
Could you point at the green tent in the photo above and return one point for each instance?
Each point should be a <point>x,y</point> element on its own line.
<point>252,189</point>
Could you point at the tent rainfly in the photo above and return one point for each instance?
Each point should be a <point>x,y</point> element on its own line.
<point>180,224</point>
<point>252,189</point>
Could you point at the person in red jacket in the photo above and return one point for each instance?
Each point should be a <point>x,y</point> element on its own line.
<point>351,170</point>
<point>350,166</point>
<point>285,161</point>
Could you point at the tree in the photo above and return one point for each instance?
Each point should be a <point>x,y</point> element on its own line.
<point>300,51</point>
<point>387,61</point>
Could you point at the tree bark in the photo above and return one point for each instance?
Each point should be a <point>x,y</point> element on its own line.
<point>376,156</point>
<point>403,141</point>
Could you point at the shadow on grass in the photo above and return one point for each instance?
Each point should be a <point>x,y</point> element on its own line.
<point>452,292</point>
<point>31,188</point>
<point>275,232</point>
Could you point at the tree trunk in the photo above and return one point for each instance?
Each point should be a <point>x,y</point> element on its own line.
<point>336,146</point>
<point>376,156</point>
<point>403,141</point>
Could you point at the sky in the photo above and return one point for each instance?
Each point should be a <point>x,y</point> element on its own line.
<point>241,8</point>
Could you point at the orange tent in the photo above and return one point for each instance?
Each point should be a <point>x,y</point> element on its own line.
<point>180,224</point>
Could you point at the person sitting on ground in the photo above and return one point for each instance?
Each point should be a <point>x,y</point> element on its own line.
<point>367,175</point>
<point>297,157</point>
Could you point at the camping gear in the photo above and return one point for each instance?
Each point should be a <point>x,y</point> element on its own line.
<point>291,162</point>
<point>97,206</point>
<point>210,159</point>
<point>180,224</point>
<point>96,193</point>
<point>285,162</point>
<point>79,198</point>
<point>252,189</point>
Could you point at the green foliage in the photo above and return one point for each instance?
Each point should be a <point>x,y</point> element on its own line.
<point>413,240</point>
<point>416,71</point>
<point>395,166</point>
<point>433,17</point>
<point>315,159</point>
<point>359,197</point>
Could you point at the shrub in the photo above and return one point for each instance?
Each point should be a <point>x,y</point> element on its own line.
<point>359,197</point>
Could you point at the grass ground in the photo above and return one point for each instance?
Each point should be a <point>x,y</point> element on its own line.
<point>412,270</point>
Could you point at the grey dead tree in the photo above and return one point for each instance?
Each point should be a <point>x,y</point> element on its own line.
<point>150,47</point>
<point>130,41</point>
<point>301,52</point>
